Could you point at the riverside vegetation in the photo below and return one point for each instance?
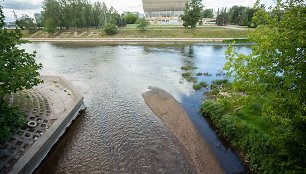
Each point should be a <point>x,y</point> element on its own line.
<point>18,71</point>
<point>262,112</point>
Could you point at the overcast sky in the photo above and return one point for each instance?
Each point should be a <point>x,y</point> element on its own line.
<point>30,7</point>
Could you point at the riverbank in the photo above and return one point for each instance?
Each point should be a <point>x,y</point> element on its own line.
<point>267,146</point>
<point>50,108</point>
<point>173,115</point>
<point>150,33</point>
<point>133,40</point>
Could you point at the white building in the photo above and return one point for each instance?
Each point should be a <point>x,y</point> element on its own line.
<point>164,11</point>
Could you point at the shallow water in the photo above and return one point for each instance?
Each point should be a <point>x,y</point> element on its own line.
<point>118,133</point>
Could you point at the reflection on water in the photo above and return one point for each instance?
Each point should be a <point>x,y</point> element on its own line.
<point>118,133</point>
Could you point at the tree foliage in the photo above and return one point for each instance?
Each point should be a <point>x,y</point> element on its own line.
<point>80,14</point>
<point>18,71</point>
<point>239,15</point>
<point>222,17</point>
<point>26,22</point>
<point>110,29</point>
<point>131,18</point>
<point>208,13</point>
<point>276,67</point>
<point>235,14</point>
<point>142,24</point>
<point>193,12</point>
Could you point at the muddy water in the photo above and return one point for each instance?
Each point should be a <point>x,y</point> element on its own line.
<point>118,133</point>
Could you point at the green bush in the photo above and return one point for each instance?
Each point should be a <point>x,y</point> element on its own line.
<point>217,84</point>
<point>189,77</point>
<point>110,29</point>
<point>188,68</point>
<point>142,24</point>
<point>200,85</point>
<point>10,119</point>
<point>268,147</point>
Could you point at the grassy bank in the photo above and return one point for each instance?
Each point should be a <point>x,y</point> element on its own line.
<point>267,146</point>
<point>151,32</point>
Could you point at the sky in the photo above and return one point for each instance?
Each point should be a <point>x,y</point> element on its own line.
<point>30,7</point>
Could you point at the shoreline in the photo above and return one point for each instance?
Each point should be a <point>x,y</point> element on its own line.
<point>133,40</point>
<point>176,119</point>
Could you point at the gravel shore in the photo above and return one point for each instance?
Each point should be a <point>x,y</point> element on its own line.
<point>173,115</point>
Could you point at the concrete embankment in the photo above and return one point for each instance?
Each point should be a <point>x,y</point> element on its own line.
<point>173,115</point>
<point>130,40</point>
<point>50,108</point>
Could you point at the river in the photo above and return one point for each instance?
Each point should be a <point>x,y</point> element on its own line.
<point>118,133</point>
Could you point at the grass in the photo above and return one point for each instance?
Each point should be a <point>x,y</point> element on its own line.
<point>237,41</point>
<point>188,68</point>
<point>200,85</point>
<point>219,84</point>
<point>204,74</point>
<point>152,31</point>
<point>267,146</point>
<point>189,77</point>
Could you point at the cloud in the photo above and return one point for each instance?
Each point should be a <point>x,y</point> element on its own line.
<point>22,4</point>
<point>229,3</point>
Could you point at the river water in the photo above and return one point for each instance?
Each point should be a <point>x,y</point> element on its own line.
<point>118,133</point>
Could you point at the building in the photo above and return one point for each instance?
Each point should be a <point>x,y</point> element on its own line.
<point>163,11</point>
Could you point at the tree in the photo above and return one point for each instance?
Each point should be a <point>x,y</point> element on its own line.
<point>142,24</point>
<point>76,14</point>
<point>235,14</point>
<point>208,13</point>
<point>50,25</point>
<point>131,18</point>
<point>192,13</point>
<point>110,29</point>
<point>26,23</point>
<point>276,68</point>
<point>247,17</point>
<point>222,17</point>
<point>18,71</point>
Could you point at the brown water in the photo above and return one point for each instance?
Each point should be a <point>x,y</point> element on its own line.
<point>118,133</point>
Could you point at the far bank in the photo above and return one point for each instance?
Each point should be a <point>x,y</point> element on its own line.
<point>152,32</point>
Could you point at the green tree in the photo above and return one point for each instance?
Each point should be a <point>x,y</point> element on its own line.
<point>76,14</point>
<point>276,67</point>
<point>18,71</point>
<point>192,13</point>
<point>247,17</point>
<point>235,14</point>
<point>222,17</point>
<point>50,25</point>
<point>208,13</point>
<point>26,23</point>
<point>142,24</point>
<point>131,18</point>
<point>110,29</point>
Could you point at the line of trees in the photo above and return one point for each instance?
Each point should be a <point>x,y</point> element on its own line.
<point>73,14</point>
<point>236,15</point>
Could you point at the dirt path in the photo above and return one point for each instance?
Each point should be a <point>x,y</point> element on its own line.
<point>173,115</point>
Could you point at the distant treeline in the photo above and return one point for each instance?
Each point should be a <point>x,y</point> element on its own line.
<point>236,15</point>
<point>69,14</point>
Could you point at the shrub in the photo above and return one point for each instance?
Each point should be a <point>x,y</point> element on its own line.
<point>268,147</point>
<point>142,24</point>
<point>10,119</point>
<point>189,77</point>
<point>188,68</point>
<point>200,85</point>
<point>110,29</point>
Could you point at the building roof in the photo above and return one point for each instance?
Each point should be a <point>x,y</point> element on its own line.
<point>163,5</point>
